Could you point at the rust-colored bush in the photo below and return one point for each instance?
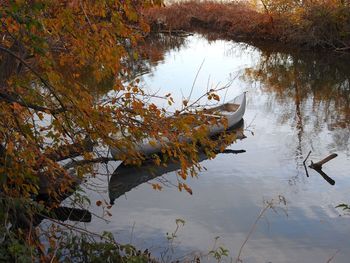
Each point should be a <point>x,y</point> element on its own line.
<point>326,24</point>
<point>233,19</point>
<point>323,23</point>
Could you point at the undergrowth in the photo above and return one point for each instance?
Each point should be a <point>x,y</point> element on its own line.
<point>310,24</point>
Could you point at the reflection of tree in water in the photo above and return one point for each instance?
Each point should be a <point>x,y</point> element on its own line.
<point>311,89</point>
<point>152,52</point>
<point>142,58</point>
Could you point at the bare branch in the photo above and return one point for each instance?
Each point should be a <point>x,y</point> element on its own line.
<point>319,164</point>
<point>304,163</point>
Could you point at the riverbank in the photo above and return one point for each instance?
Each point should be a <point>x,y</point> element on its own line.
<point>314,25</point>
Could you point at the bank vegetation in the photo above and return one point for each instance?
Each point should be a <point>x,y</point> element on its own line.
<point>307,24</point>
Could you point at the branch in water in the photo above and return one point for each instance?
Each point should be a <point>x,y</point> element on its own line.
<point>304,163</point>
<point>318,167</point>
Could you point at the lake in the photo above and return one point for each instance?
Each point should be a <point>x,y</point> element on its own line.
<point>296,102</point>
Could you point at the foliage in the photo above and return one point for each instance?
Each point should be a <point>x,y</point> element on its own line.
<point>16,246</point>
<point>218,252</point>
<point>57,118</point>
<point>48,113</point>
<point>296,78</point>
<point>229,19</point>
<point>86,249</point>
<point>312,24</point>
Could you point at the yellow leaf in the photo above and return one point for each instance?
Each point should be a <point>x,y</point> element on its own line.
<point>94,27</point>
<point>153,143</point>
<point>156,187</point>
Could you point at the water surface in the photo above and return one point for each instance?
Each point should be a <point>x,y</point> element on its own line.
<point>297,102</point>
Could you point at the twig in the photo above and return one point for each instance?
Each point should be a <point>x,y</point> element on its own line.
<point>231,151</point>
<point>46,84</point>
<point>132,232</point>
<point>56,249</point>
<point>86,16</point>
<point>199,98</point>
<point>262,212</point>
<point>74,228</point>
<point>343,48</point>
<point>10,99</point>
<point>304,163</point>
<point>247,128</point>
<point>333,256</point>
<point>195,79</point>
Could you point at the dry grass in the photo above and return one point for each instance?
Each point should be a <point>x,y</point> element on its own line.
<point>323,23</point>
<point>231,19</point>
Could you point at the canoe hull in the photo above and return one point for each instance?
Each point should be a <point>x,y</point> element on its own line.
<point>233,118</point>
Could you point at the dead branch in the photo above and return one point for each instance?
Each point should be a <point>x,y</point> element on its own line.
<point>343,48</point>
<point>325,176</point>
<point>304,163</point>
<point>232,151</point>
<point>318,165</point>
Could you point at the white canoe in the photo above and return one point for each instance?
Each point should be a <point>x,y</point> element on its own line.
<point>233,111</point>
<point>126,177</point>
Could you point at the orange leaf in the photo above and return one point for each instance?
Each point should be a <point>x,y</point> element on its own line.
<point>17,107</point>
<point>188,189</point>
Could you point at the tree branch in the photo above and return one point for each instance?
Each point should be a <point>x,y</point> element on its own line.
<point>11,99</point>
<point>46,84</point>
<point>304,164</point>
<point>70,151</point>
<point>83,162</point>
<point>318,167</point>
<point>319,164</point>
<point>325,176</point>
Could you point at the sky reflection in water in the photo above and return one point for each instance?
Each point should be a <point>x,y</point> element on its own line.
<point>291,109</point>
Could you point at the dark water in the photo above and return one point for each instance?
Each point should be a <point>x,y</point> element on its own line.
<point>297,102</point>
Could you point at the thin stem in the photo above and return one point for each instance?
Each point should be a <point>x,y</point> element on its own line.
<point>262,212</point>
<point>195,80</point>
<point>304,163</point>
